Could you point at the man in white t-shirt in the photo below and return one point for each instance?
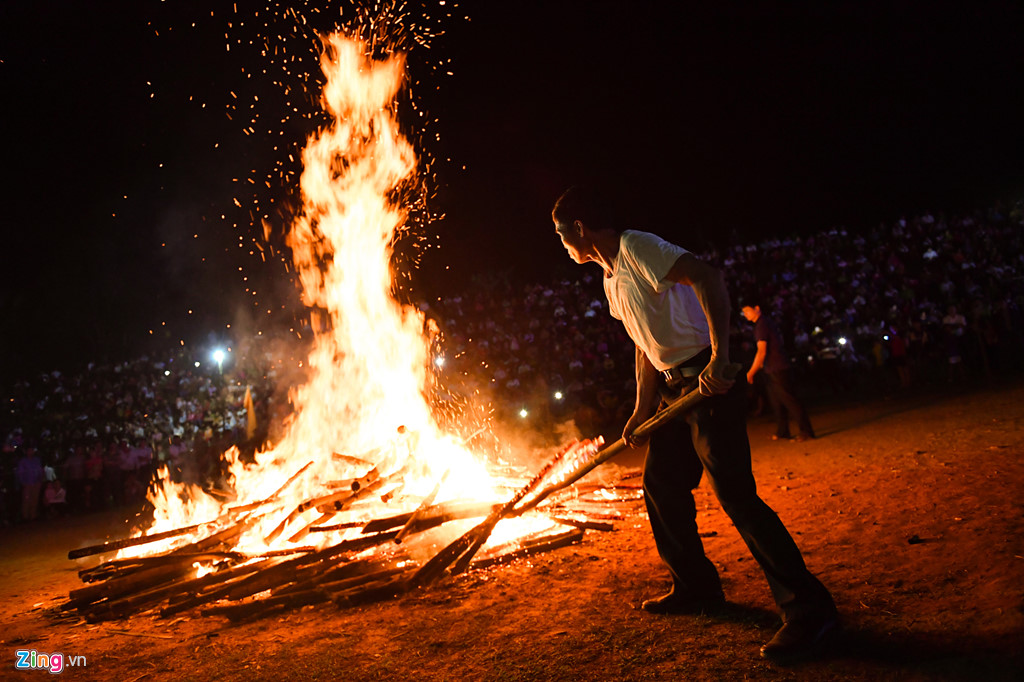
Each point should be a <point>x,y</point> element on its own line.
<point>676,310</point>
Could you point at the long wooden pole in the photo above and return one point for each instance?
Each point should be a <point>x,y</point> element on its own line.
<point>681,405</point>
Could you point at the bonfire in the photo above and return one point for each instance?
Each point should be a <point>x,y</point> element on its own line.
<point>365,495</point>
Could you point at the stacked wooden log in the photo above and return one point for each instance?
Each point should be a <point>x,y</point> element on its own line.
<point>382,559</point>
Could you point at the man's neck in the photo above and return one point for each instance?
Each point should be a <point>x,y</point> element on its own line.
<point>606,247</point>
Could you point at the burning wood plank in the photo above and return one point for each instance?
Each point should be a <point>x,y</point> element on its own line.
<point>305,575</point>
<point>424,504</point>
<point>461,551</point>
<point>333,503</point>
<point>435,515</point>
<point>115,545</point>
<point>543,544</point>
<point>377,585</point>
<point>583,524</point>
<point>230,514</point>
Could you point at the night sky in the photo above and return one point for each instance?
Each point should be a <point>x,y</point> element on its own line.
<point>125,142</point>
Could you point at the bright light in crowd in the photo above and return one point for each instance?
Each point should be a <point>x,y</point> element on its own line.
<point>885,337</point>
<point>439,361</point>
<point>167,372</point>
<point>523,413</point>
<point>842,340</point>
<point>197,363</point>
<point>558,395</point>
<point>218,356</point>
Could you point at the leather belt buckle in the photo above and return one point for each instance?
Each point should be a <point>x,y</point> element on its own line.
<point>676,375</point>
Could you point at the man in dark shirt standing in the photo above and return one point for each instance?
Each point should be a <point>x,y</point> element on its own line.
<point>778,380</point>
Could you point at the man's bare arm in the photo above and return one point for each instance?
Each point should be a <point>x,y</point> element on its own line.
<point>758,363</point>
<point>647,397</point>
<point>708,284</point>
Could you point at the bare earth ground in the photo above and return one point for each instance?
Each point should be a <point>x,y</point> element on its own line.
<point>910,509</point>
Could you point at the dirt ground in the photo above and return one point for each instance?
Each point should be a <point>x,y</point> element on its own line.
<point>908,508</point>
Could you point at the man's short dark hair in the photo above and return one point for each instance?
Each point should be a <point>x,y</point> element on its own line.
<point>585,204</point>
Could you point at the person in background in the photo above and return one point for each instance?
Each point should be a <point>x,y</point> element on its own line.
<point>93,487</point>
<point>773,364</point>
<point>898,356</point>
<point>30,478</point>
<point>954,325</point>
<point>55,498</point>
<point>74,475</point>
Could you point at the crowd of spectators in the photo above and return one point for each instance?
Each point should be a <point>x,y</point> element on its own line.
<point>920,301</point>
<point>928,299</point>
<point>92,440</point>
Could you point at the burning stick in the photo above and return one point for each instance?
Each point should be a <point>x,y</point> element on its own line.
<point>338,583</point>
<point>435,516</point>
<point>427,501</point>
<point>277,573</point>
<point>134,542</point>
<point>334,502</point>
<point>177,532</point>
<point>139,601</point>
<point>228,534</point>
<point>152,573</point>
<point>463,548</point>
<point>373,592</point>
<point>588,524</point>
<point>336,526</point>
<point>342,570</point>
<point>368,479</point>
<point>680,406</point>
<point>317,522</point>
<point>260,607</point>
<point>274,495</point>
<point>339,502</point>
<point>121,567</point>
<point>117,587</point>
<point>542,544</point>
<point>349,459</point>
<point>228,582</point>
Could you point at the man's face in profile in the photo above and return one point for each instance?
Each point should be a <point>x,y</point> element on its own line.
<point>571,240</point>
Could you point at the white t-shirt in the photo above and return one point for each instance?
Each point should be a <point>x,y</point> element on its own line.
<point>663,318</point>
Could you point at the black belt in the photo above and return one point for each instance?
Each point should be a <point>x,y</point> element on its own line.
<point>687,369</point>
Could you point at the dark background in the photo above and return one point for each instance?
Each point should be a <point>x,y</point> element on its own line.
<point>125,144</point>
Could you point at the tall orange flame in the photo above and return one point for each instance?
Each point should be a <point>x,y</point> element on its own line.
<point>366,391</point>
<point>368,366</point>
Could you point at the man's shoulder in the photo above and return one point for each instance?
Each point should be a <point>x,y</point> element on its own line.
<point>638,241</point>
<point>763,328</point>
<point>639,237</point>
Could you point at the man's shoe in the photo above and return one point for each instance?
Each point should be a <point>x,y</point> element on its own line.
<point>799,639</point>
<point>682,602</point>
<point>805,436</point>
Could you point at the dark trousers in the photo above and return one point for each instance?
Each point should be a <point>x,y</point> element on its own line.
<point>713,439</point>
<point>779,387</point>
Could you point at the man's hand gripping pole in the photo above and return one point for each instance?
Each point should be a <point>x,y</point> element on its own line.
<point>680,405</point>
